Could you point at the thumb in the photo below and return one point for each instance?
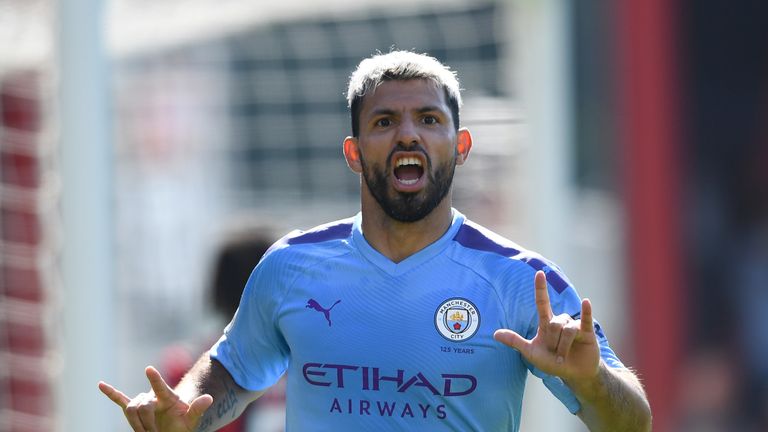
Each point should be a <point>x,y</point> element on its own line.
<point>199,406</point>
<point>512,339</point>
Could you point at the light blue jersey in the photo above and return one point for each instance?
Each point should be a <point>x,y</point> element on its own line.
<point>370,345</point>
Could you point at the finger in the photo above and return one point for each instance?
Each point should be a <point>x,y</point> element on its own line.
<point>553,331</point>
<point>114,394</point>
<point>163,391</point>
<point>513,340</point>
<point>587,325</point>
<point>542,298</point>
<point>567,336</point>
<point>147,416</point>
<point>132,415</point>
<point>199,406</point>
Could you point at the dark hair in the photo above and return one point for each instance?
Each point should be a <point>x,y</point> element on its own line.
<point>234,263</point>
<point>400,66</point>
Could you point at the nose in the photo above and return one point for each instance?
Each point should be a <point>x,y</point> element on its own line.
<point>408,133</point>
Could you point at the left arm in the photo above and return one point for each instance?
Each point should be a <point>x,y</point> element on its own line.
<point>614,400</point>
<point>611,399</point>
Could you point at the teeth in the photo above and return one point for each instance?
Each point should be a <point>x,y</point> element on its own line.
<point>408,161</point>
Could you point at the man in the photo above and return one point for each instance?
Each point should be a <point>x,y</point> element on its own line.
<point>387,320</point>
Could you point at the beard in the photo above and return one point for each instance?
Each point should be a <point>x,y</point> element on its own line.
<point>409,207</point>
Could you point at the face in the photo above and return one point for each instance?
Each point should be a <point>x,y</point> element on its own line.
<point>407,148</point>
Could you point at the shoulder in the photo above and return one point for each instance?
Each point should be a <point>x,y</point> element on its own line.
<point>496,257</point>
<point>322,241</point>
<point>296,253</point>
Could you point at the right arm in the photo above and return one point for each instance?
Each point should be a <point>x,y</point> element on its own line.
<point>208,376</point>
<point>206,399</point>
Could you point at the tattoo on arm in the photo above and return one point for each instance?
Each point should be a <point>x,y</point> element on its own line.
<point>228,402</point>
<point>225,408</point>
<point>206,422</point>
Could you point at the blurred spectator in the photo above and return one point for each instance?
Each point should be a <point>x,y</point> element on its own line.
<point>727,147</point>
<point>751,284</point>
<point>234,261</point>
<point>709,389</point>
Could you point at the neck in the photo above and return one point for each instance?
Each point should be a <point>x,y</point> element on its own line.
<point>399,240</point>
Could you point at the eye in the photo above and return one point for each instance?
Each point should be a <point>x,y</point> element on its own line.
<point>383,122</point>
<point>430,120</point>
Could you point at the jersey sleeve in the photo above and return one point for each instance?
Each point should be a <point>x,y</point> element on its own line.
<point>564,299</point>
<point>252,348</point>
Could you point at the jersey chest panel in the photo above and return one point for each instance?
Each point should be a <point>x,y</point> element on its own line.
<point>414,347</point>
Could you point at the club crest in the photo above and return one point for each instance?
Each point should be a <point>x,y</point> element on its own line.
<point>457,319</point>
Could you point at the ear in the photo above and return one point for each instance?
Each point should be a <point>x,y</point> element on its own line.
<point>463,145</point>
<point>352,154</point>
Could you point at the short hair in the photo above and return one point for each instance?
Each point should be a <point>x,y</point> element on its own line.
<point>400,66</point>
<point>234,262</point>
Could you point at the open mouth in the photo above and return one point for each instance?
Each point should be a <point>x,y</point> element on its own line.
<point>408,170</point>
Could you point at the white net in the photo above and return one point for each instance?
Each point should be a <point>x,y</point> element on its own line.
<point>28,217</point>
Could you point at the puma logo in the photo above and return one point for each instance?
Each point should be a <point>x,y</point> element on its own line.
<point>313,304</point>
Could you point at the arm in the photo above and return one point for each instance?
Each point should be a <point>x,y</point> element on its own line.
<point>206,399</point>
<point>208,376</point>
<point>613,391</point>
<point>610,399</point>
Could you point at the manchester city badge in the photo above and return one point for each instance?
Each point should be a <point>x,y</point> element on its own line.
<point>457,319</point>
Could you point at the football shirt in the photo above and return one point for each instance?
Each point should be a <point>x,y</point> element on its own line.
<point>369,344</point>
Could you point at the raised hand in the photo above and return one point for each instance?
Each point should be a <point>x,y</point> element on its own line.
<point>159,410</point>
<point>562,346</point>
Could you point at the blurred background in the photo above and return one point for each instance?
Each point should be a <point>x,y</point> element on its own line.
<point>149,149</point>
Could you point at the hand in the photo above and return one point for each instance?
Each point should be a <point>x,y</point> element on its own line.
<point>161,409</point>
<point>562,346</point>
